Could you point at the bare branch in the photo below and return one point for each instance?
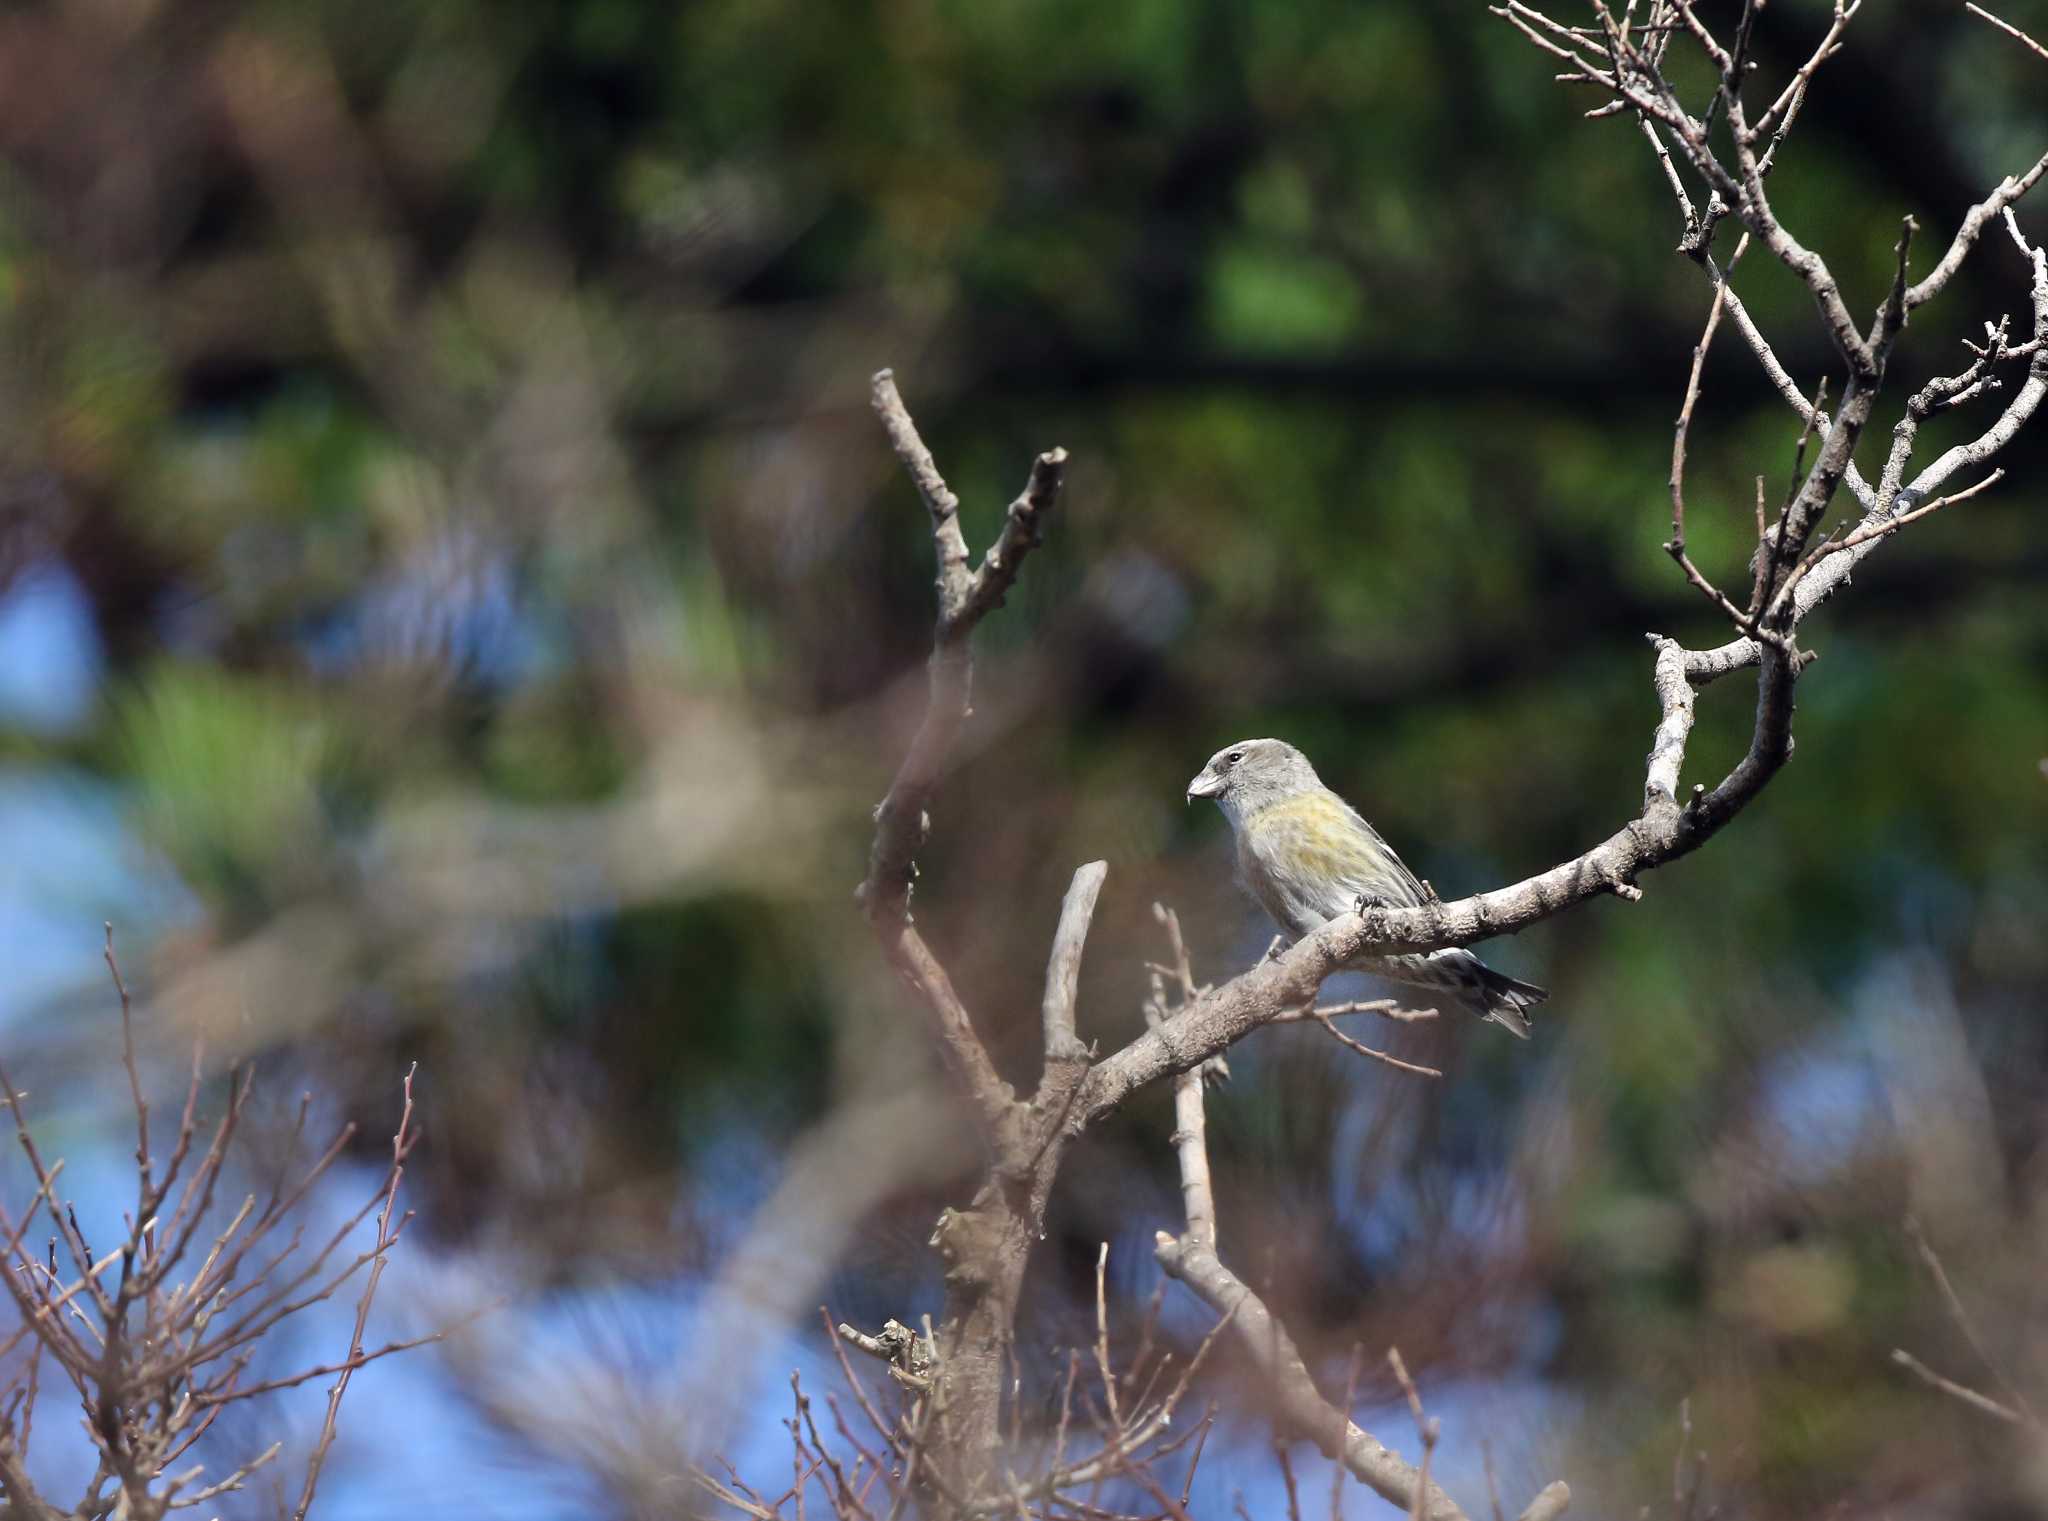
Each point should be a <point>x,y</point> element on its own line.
<point>1264,1341</point>
<point>2006,27</point>
<point>1191,1141</point>
<point>1782,382</point>
<point>20,1493</point>
<point>144,1171</point>
<point>1865,532</point>
<point>1975,220</point>
<point>387,1234</point>
<point>1964,1321</point>
<point>1102,1338</point>
<point>1386,1008</point>
<point>939,501</point>
<point>1675,547</point>
<point>1301,1409</point>
<point>1777,120</point>
<point>964,597</point>
<point>1667,746</point>
<point>2025,402</point>
<point>1692,396</point>
<point>1063,1047</point>
<point>1954,1390</point>
<point>1360,1048</point>
<point>1798,565</point>
<point>1828,578</point>
<point>986,1244</point>
<point>957,1037</point>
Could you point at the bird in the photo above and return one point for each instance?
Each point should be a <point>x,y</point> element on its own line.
<point>1308,857</point>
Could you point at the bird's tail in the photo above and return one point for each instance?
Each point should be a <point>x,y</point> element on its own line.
<point>1507,1000</point>
<point>1491,995</point>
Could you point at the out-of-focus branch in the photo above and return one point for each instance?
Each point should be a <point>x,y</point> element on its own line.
<point>964,597</point>
<point>1300,1407</point>
<point>903,820</point>
<point>388,1231</point>
<point>986,1245</point>
<point>1298,1404</point>
<point>21,1496</point>
<point>1975,1399</point>
<point>156,1333</point>
<point>2015,1409</point>
<point>992,1097</point>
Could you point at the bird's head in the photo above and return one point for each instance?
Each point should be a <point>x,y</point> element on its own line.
<point>1252,773</point>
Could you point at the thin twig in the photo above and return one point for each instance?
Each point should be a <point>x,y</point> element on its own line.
<point>1968,1396</point>
<point>401,1146</point>
<point>1102,1337</point>
<point>2006,27</point>
<point>1963,1319</point>
<point>1362,1049</point>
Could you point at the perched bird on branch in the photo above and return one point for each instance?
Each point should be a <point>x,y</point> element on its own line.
<point>1308,858</point>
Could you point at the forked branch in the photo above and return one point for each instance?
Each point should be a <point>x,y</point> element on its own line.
<point>1262,1340</point>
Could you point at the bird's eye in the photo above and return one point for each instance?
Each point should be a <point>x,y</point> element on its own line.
<point>1233,757</point>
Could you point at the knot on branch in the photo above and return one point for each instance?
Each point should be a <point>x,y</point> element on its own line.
<point>909,1356</point>
<point>967,1240</point>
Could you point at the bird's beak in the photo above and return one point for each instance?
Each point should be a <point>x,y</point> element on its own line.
<point>1208,784</point>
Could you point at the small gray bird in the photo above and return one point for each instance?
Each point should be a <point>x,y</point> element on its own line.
<point>1308,858</point>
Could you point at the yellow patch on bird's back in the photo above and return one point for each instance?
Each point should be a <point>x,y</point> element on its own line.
<point>1311,810</point>
<point>1316,833</point>
<point>1315,808</point>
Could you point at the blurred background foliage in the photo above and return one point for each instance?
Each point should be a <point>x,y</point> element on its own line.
<point>455,605</point>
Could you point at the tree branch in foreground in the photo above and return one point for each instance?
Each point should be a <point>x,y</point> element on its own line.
<point>1301,1409</point>
<point>986,1245</point>
<point>157,1335</point>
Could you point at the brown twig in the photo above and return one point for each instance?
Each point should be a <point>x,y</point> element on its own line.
<point>1330,1028</point>
<point>1343,1429</point>
<point>1965,1322</point>
<point>1676,546</point>
<point>2006,27</point>
<point>1967,1395</point>
<point>387,1235</point>
<point>965,596</point>
<point>1386,1008</point>
<point>1102,1338</point>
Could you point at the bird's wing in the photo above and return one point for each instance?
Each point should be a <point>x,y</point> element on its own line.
<point>1374,868</point>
